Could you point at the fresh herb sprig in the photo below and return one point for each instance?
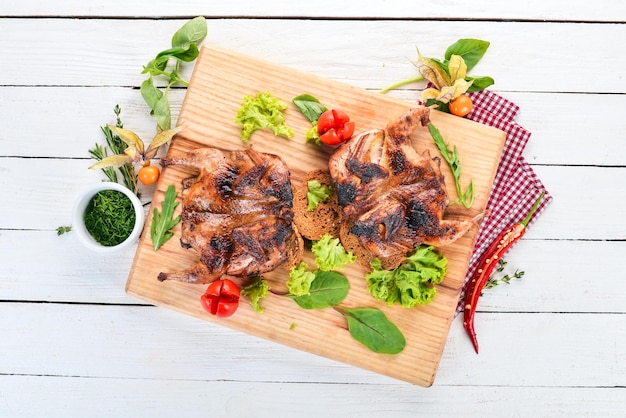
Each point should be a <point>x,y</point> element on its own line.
<point>163,222</point>
<point>185,48</point>
<point>466,198</point>
<point>493,281</point>
<point>116,146</point>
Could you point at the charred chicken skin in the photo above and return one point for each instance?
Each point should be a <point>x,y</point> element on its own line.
<point>393,196</point>
<point>237,214</point>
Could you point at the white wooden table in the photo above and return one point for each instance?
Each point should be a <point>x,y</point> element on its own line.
<point>74,344</point>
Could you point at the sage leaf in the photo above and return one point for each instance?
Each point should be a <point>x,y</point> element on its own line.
<point>371,328</point>
<point>328,289</point>
<point>471,50</point>
<point>192,32</point>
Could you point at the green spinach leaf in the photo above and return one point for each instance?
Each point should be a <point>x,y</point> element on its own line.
<point>371,328</point>
<point>328,289</point>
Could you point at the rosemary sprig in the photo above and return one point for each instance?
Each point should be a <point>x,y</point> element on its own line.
<point>452,158</point>
<point>117,146</point>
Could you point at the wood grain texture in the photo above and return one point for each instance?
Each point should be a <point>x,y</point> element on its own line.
<point>221,79</point>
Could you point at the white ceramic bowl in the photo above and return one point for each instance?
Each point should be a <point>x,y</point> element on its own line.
<point>78,225</point>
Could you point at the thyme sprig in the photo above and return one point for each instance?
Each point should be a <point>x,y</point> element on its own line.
<point>493,281</point>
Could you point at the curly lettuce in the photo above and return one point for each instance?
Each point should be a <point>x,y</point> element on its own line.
<point>262,111</point>
<point>316,194</point>
<point>256,291</point>
<point>299,282</point>
<point>330,254</point>
<point>412,282</point>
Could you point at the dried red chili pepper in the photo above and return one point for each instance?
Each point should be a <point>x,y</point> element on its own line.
<point>486,264</point>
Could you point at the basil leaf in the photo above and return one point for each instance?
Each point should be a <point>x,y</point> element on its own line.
<point>151,95</point>
<point>328,289</point>
<point>479,83</point>
<point>162,113</point>
<point>192,32</point>
<point>310,106</point>
<point>371,328</point>
<point>472,50</point>
<point>184,54</point>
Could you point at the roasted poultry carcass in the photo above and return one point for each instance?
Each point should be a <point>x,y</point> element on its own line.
<point>393,197</point>
<point>237,214</point>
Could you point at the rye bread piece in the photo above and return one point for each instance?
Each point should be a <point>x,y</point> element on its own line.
<point>326,218</point>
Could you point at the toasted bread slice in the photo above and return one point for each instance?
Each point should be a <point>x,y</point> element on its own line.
<point>325,219</point>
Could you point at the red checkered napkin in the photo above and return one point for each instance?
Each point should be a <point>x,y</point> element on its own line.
<point>516,187</point>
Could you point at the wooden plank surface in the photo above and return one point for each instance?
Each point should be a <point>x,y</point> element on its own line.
<point>220,81</point>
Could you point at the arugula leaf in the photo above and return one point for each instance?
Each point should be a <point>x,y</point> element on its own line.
<point>162,223</point>
<point>316,194</point>
<point>371,328</point>
<point>328,289</point>
<point>452,158</point>
<point>330,254</point>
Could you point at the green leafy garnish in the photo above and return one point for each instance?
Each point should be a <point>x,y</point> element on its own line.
<point>330,254</point>
<point>309,106</point>
<point>262,111</point>
<point>494,281</point>
<point>256,291</point>
<point>411,283</point>
<point>184,48</point>
<point>300,279</point>
<point>371,328</point>
<point>110,217</point>
<point>328,289</point>
<point>116,146</point>
<point>63,230</point>
<point>316,194</point>
<point>470,51</point>
<point>452,158</point>
<point>162,223</point>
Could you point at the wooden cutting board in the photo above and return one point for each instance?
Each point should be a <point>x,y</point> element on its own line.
<point>219,82</point>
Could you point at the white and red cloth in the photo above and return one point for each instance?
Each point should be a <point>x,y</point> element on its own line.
<point>516,187</point>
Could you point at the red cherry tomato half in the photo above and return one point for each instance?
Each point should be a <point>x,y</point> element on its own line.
<point>221,298</point>
<point>334,127</point>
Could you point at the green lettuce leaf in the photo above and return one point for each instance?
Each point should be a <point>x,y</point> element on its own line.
<point>412,282</point>
<point>330,254</point>
<point>262,111</point>
<point>299,282</point>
